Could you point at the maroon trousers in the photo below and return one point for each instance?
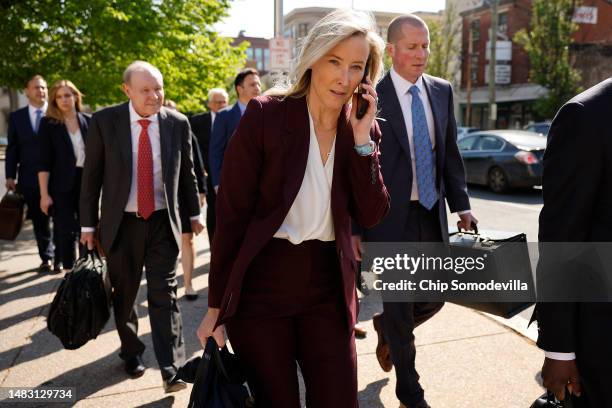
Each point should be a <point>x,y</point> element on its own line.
<point>291,312</point>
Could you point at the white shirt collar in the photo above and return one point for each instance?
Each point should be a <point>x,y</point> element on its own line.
<point>402,85</point>
<point>33,109</point>
<point>135,117</point>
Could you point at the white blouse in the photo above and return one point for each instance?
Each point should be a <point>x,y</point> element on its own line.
<point>78,146</point>
<point>310,215</point>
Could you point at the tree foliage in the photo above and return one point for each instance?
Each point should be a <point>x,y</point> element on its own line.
<point>444,43</point>
<point>547,43</point>
<point>92,41</point>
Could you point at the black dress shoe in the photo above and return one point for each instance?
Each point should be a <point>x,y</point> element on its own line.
<point>135,367</point>
<point>174,384</point>
<point>57,269</point>
<point>422,404</point>
<point>45,267</point>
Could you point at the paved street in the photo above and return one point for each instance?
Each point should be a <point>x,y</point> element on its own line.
<point>465,359</point>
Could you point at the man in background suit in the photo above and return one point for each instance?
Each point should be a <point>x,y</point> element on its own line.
<point>577,190</point>
<point>421,167</point>
<point>202,125</point>
<point>23,157</point>
<point>139,154</point>
<point>247,87</point>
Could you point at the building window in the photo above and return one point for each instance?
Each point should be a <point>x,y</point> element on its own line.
<point>266,58</point>
<point>249,53</point>
<point>502,23</point>
<point>302,30</point>
<point>259,58</point>
<point>475,28</point>
<point>474,68</point>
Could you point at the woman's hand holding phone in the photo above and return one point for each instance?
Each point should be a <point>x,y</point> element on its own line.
<point>361,126</point>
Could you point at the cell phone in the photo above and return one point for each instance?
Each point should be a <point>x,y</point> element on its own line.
<point>362,104</point>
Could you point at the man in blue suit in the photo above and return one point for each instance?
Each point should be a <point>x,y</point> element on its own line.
<point>248,86</point>
<point>23,162</point>
<point>422,169</point>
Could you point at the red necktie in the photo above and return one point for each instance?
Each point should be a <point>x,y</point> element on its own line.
<point>146,199</point>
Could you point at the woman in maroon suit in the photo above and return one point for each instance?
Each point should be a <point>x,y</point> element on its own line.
<point>298,168</point>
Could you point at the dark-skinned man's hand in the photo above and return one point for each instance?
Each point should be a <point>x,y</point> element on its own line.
<point>559,374</point>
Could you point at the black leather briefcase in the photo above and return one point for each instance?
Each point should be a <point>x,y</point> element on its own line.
<point>548,400</point>
<point>11,215</point>
<point>504,248</point>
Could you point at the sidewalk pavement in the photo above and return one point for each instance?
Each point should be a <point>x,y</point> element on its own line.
<point>465,359</point>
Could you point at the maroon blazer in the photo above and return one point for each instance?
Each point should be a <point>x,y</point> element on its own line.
<point>263,170</point>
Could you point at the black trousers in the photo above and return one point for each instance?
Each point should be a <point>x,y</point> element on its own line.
<point>42,227</point>
<point>400,319</point>
<point>149,243</point>
<point>66,221</point>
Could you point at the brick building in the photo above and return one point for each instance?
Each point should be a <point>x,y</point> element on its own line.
<point>258,53</point>
<point>515,94</point>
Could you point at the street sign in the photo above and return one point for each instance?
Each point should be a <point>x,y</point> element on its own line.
<point>280,53</point>
<point>503,74</point>
<point>503,50</point>
<point>585,15</point>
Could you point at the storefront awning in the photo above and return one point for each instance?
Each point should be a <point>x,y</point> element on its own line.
<point>512,93</point>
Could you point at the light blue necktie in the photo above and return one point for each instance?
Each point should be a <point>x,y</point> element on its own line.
<point>423,153</point>
<point>37,120</point>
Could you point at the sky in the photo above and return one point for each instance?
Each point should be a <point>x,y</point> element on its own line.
<point>256,17</point>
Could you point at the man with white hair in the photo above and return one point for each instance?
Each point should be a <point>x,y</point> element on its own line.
<point>139,156</point>
<point>201,125</point>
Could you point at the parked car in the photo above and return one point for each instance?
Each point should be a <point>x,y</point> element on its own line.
<point>463,131</point>
<point>503,159</point>
<point>538,127</point>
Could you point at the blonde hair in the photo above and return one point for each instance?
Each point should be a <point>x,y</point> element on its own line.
<point>53,110</point>
<point>326,34</point>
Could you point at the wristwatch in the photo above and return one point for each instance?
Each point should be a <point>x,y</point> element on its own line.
<point>365,149</point>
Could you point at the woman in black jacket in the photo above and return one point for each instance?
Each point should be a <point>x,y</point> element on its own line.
<point>63,133</point>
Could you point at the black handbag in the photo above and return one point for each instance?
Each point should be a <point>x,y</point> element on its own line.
<point>11,215</point>
<point>81,306</point>
<point>218,379</point>
<point>499,247</point>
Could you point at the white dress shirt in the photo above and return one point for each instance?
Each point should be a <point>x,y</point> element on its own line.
<point>78,147</point>
<point>310,215</point>
<point>32,111</point>
<point>402,86</point>
<point>213,116</point>
<point>154,138</point>
<point>158,183</point>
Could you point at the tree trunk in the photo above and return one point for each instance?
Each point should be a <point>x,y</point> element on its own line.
<point>13,99</point>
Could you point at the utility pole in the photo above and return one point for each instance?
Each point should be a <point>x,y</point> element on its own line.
<point>492,62</point>
<point>278,18</point>
<point>468,107</point>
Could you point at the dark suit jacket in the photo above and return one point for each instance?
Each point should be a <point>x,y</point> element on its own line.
<point>201,128</point>
<point>57,154</point>
<point>108,167</point>
<point>225,124</point>
<point>577,190</point>
<point>266,163</point>
<point>396,163</point>
<point>23,150</point>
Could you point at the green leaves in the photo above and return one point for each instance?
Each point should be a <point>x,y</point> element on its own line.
<point>91,42</point>
<point>547,43</point>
